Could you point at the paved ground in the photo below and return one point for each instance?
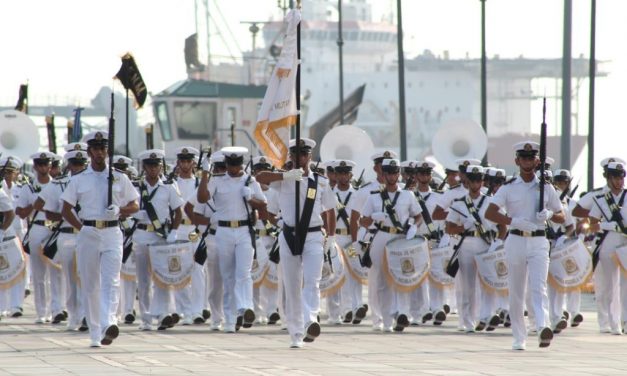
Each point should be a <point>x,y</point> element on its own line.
<point>30,349</point>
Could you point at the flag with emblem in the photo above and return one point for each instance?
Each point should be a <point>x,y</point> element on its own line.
<point>278,110</point>
<point>77,128</point>
<point>132,80</point>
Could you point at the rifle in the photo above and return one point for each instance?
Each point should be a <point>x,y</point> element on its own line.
<point>250,213</point>
<point>542,154</point>
<point>359,180</point>
<point>111,145</point>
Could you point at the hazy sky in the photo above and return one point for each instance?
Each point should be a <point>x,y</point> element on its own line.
<point>70,48</point>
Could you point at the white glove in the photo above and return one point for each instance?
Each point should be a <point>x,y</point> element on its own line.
<point>171,236</point>
<point>560,241</point>
<point>445,241</point>
<point>378,216</point>
<point>247,193</point>
<point>522,224</point>
<point>608,226</point>
<point>411,232</point>
<point>356,246</point>
<point>495,244</point>
<point>112,212</point>
<point>468,223</point>
<point>206,165</point>
<point>330,243</point>
<point>544,215</point>
<point>141,215</point>
<point>361,233</point>
<point>293,175</point>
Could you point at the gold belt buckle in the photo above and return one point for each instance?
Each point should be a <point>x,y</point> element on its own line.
<point>393,230</point>
<point>150,228</point>
<point>526,233</point>
<point>234,224</point>
<point>100,224</point>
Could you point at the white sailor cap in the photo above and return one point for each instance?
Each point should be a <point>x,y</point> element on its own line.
<point>96,138</point>
<point>549,161</point>
<point>56,159</point>
<point>328,165</point>
<point>122,160</point>
<point>495,172</point>
<point>424,165</point>
<point>408,164</point>
<point>152,156</point>
<point>76,155</point>
<point>526,148</point>
<point>261,161</point>
<point>217,157</point>
<point>463,163</point>
<point>234,152</point>
<point>606,161</point>
<point>75,146</point>
<point>474,170</point>
<point>306,144</point>
<point>132,171</point>
<point>615,168</point>
<point>379,156</point>
<point>391,164</point>
<point>186,152</point>
<point>43,156</point>
<point>547,174</point>
<point>14,163</point>
<point>561,174</point>
<point>343,165</point>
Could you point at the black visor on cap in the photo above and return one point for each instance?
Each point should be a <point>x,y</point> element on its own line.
<point>526,153</point>
<point>343,169</point>
<point>391,169</point>
<point>474,177</point>
<point>41,161</point>
<point>185,157</point>
<point>152,161</point>
<point>561,178</point>
<point>612,172</point>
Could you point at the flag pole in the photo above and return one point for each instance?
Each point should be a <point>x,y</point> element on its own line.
<point>128,154</point>
<point>296,246</point>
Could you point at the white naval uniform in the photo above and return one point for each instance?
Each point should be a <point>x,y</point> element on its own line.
<point>194,292</point>
<point>427,297</point>
<point>610,283</point>
<point>99,251</point>
<point>156,305</point>
<point>13,297</point>
<point>43,274</point>
<point>302,301</point>
<point>128,286</point>
<point>527,256</point>
<point>471,302</point>
<point>66,251</point>
<point>351,292</point>
<point>358,202</point>
<point>235,250</point>
<point>265,298</point>
<point>7,298</point>
<point>391,302</point>
<point>214,290</point>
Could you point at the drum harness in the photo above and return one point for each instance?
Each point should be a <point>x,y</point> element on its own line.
<point>616,216</point>
<point>388,206</point>
<point>453,264</point>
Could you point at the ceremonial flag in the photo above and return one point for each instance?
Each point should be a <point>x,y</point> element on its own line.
<point>132,80</point>
<point>278,109</point>
<point>22,102</point>
<point>77,129</point>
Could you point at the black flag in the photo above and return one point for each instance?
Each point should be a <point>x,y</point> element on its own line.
<point>132,80</point>
<point>22,102</point>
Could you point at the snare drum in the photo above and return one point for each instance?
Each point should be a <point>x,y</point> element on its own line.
<point>406,263</point>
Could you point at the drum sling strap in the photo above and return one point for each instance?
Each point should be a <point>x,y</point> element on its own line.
<point>305,218</point>
<point>341,209</point>
<point>486,236</point>
<point>453,264</point>
<point>616,216</point>
<point>150,209</point>
<point>200,255</point>
<point>426,216</point>
<point>366,260</point>
<point>127,244</point>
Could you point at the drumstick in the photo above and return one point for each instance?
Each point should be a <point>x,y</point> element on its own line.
<point>458,212</point>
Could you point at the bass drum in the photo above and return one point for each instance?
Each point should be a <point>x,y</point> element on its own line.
<point>406,263</point>
<point>570,266</point>
<point>333,275</point>
<point>12,263</point>
<point>493,271</point>
<point>171,264</point>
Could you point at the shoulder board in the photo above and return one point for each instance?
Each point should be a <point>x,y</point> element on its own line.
<point>375,192</point>
<point>79,172</point>
<point>509,181</point>
<point>437,191</point>
<point>455,186</point>
<point>460,199</point>
<point>120,171</point>
<point>216,175</point>
<point>600,196</point>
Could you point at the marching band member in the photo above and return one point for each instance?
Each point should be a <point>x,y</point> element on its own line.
<point>394,217</point>
<point>526,247</point>
<point>609,212</point>
<point>358,234</point>
<point>235,195</point>
<point>301,265</point>
<point>99,241</point>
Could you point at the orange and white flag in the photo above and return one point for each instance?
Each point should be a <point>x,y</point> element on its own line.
<point>278,110</point>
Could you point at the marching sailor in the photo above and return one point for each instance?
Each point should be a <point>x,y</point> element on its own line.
<point>235,195</point>
<point>526,247</point>
<point>99,241</point>
<point>396,214</point>
<point>301,264</point>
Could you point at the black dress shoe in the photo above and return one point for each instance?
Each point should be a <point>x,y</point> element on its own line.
<point>166,322</point>
<point>249,318</point>
<point>427,317</point>
<point>313,331</point>
<point>175,319</point>
<point>348,317</point>
<point>439,318</point>
<point>273,318</point>
<point>480,326</point>
<point>239,322</point>
<point>402,322</point>
<point>129,318</point>
<point>111,333</point>
<point>58,318</point>
<point>206,314</point>
<point>577,319</point>
<point>360,314</point>
<point>447,309</point>
<point>83,327</point>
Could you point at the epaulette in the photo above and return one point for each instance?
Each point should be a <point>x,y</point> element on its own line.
<point>375,192</point>
<point>455,186</point>
<point>460,199</point>
<point>510,181</point>
<point>218,174</point>
<point>120,171</point>
<point>437,191</point>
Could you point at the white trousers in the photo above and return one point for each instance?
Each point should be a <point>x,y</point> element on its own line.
<point>45,277</point>
<point>527,260</point>
<point>235,258</point>
<point>215,289</point>
<point>470,293</point>
<point>610,286</point>
<point>301,279</point>
<point>66,255</point>
<point>386,297</point>
<point>99,261</point>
